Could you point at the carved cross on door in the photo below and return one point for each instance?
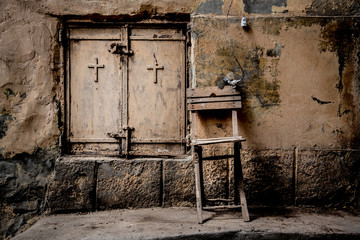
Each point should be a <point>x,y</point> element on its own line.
<point>96,66</point>
<point>155,68</point>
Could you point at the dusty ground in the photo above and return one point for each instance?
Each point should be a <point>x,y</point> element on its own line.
<point>180,223</point>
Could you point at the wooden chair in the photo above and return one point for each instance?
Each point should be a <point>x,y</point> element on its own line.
<point>213,98</point>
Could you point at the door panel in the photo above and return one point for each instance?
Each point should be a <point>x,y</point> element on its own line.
<point>136,93</point>
<point>156,93</point>
<point>95,95</point>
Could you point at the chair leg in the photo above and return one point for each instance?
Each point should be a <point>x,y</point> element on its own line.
<point>196,154</point>
<point>240,179</point>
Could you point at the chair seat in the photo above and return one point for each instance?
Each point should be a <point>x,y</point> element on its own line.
<point>206,141</point>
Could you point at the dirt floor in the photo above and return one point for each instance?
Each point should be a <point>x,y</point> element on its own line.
<point>181,223</point>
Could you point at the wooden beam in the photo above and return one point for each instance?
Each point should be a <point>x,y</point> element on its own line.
<point>240,179</point>
<point>211,91</point>
<point>214,106</point>
<point>213,99</point>
<point>235,123</point>
<point>220,200</point>
<point>196,156</point>
<point>206,141</point>
<point>144,38</point>
<point>222,207</point>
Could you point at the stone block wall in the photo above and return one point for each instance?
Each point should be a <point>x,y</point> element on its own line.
<point>178,183</point>
<point>98,183</point>
<point>128,184</point>
<point>298,178</point>
<point>271,177</point>
<point>72,185</point>
<point>24,180</point>
<point>328,178</point>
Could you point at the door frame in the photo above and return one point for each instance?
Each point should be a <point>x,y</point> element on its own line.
<point>64,39</point>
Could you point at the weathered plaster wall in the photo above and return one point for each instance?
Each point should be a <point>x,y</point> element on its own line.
<point>301,77</point>
<point>29,127</point>
<point>301,89</point>
<point>28,109</point>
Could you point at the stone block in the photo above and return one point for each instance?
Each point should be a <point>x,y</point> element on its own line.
<point>179,183</point>
<point>129,183</point>
<point>23,183</point>
<point>268,177</point>
<point>216,173</point>
<point>72,187</point>
<point>328,178</point>
<point>216,178</point>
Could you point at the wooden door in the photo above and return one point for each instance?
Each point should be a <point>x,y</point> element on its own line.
<point>94,90</point>
<point>156,91</point>
<point>128,99</point>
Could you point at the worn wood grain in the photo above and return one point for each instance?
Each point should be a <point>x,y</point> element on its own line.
<point>134,38</point>
<point>235,123</point>
<point>107,90</point>
<point>206,141</point>
<point>94,106</point>
<point>239,180</point>
<point>95,33</point>
<point>196,156</point>
<point>213,99</point>
<point>211,92</point>
<point>155,102</point>
<point>222,207</point>
<point>214,106</point>
<point>220,200</point>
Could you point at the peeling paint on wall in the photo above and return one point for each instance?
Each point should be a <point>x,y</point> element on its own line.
<point>9,92</point>
<point>285,66</point>
<point>342,38</point>
<point>276,51</point>
<point>262,6</point>
<point>210,6</point>
<point>215,61</point>
<point>321,102</point>
<point>334,7</point>
<point>257,85</point>
<point>4,121</point>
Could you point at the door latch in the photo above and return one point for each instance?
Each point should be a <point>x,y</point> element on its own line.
<point>125,134</point>
<point>120,48</point>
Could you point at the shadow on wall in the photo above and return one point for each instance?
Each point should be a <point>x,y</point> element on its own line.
<point>268,179</point>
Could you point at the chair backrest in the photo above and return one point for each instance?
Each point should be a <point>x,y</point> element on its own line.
<point>213,98</point>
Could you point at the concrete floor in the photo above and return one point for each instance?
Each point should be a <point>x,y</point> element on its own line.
<point>181,223</point>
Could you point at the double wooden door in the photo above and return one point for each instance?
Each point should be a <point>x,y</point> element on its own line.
<point>126,91</point>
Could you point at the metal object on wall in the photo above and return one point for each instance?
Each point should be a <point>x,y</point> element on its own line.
<point>243,22</point>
